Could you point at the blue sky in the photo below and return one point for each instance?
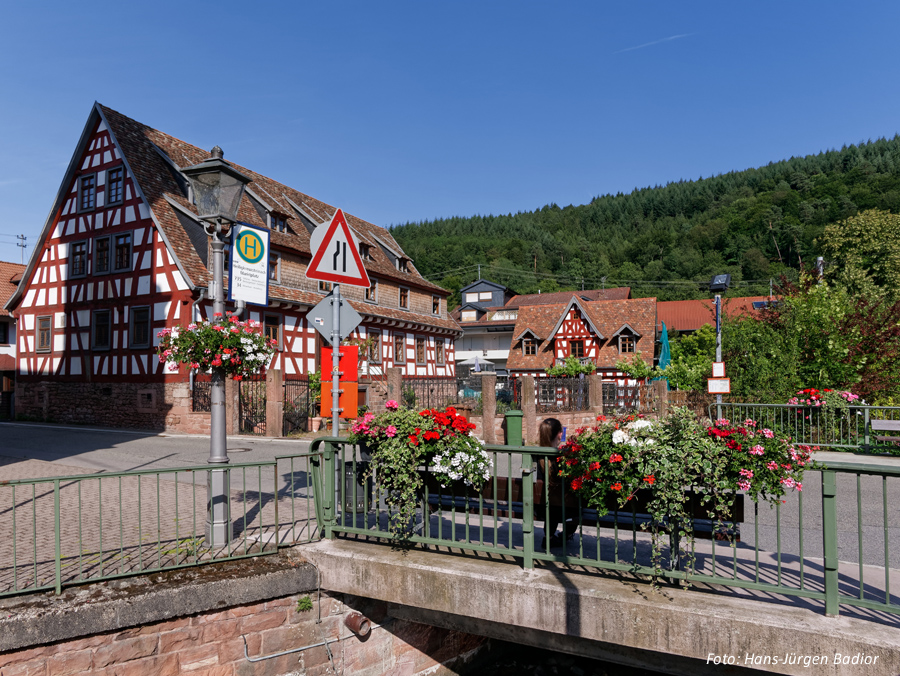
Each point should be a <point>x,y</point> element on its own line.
<point>403,111</point>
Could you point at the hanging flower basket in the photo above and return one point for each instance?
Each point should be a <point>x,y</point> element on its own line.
<point>407,445</point>
<point>238,347</point>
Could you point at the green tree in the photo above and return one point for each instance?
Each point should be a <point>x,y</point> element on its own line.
<point>865,251</point>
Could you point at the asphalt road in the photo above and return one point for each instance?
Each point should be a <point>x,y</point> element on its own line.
<point>121,451</point>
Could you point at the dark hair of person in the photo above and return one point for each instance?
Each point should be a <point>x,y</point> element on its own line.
<point>548,431</point>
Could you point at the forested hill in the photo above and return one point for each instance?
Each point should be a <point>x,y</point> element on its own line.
<point>669,240</point>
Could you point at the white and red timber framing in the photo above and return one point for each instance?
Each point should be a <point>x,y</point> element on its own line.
<point>123,255</point>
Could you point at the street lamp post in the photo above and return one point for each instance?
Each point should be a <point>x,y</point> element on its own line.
<point>719,283</point>
<point>217,189</point>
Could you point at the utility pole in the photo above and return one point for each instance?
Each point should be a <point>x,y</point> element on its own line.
<point>22,245</point>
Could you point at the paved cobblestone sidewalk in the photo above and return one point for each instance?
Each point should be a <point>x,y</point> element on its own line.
<point>119,525</point>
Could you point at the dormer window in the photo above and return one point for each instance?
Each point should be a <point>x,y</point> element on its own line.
<point>529,347</point>
<point>278,222</point>
<point>435,305</point>
<point>402,264</point>
<point>365,251</point>
<point>627,339</point>
<point>469,315</point>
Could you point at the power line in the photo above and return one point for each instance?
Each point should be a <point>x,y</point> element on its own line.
<point>575,280</point>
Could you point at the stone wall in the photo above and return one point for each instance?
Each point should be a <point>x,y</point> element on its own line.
<point>149,406</point>
<point>211,641</point>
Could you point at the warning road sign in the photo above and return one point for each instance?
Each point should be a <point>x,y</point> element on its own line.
<point>335,253</point>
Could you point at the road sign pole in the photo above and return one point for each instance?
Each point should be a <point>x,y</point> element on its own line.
<point>335,358</point>
<point>718,348</point>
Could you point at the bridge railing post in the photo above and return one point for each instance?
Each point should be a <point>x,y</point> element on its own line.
<point>329,502</point>
<point>829,541</point>
<point>527,511</point>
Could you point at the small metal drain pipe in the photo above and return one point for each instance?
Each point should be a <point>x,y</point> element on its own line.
<point>286,652</point>
<point>356,622</point>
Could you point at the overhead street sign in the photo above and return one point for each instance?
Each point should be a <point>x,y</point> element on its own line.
<point>335,253</point>
<point>320,317</point>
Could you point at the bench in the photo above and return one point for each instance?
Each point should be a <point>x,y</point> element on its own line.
<point>509,502</point>
<point>886,426</point>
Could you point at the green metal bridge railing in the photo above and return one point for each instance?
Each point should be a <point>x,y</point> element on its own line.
<point>816,426</point>
<point>60,531</point>
<point>834,542</point>
<point>801,548</point>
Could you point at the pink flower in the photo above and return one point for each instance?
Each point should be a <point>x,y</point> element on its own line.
<point>391,405</point>
<point>390,431</point>
<point>772,465</point>
<point>788,482</point>
<point>757,450</point>
<point>768,434</point>
<point>744,485</point>
<point>723,422</point>
<point>798,485</point>
<point>749,422</point>
<point>747,473</point>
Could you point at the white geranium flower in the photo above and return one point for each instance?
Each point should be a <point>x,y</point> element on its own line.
<point>620,437</point>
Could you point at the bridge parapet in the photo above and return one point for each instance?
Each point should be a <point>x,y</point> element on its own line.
<point>672,631</point>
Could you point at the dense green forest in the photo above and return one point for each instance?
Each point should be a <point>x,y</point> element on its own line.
<point>667,241</point>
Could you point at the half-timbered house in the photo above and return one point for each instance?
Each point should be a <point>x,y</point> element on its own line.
<point>597,332</point>
<point>123,255</point>
<point>488,313</point>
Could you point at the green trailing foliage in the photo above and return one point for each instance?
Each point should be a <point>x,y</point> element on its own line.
<point>571,368</point>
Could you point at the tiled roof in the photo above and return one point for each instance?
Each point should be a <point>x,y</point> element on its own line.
<point>141,145</point>
<point>393,315</point>
<point>457,316</point>
<point>618,293</point>
<point>690,315</point>
<point>606,316</point>
<point>10,274</point>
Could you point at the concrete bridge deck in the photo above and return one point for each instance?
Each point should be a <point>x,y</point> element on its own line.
<point>608,617</point>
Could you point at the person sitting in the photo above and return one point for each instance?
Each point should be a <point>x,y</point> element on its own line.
<point>550,434</point>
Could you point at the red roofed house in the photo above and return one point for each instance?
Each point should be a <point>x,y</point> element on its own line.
<point>10,274</point>
<point>600,332</point>
<point>124,255</point>
<point>689,315</point>
<point>489,312</point>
